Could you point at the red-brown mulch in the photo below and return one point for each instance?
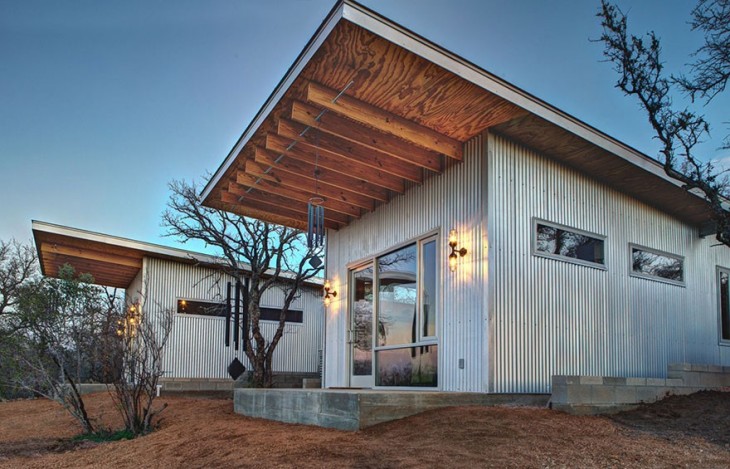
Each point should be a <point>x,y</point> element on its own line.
<point>680,431</point>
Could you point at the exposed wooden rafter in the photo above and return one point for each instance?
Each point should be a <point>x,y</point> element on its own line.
<point>246,182</point>
<point>263,199</point>
<point>349,150</point>
<point>295,182</point>
<point>334,162</point>
<point>306,171</point>
<point>282,215</point>
<point>344,128</point>
<point>384,121</point>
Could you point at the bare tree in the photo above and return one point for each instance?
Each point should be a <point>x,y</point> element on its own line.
<point>641,74</point>
<point>135,345</point>
<point>265,254</point>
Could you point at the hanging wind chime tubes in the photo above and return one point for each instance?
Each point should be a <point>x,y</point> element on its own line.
<point>315,210</point>
<point>315,222</point>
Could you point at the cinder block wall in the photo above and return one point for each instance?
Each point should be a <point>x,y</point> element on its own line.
<point>606,394</point>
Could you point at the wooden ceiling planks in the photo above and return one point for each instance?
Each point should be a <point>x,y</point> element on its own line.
<point>350,151</point>
<point>92,254</point>
<point>251,183</point>
<point>285,206</point>
<point>344,128</point>
<point>385,121</point>
<point>109,265</point>
<point>334,162</point>
<point>330,188</point>
<point>397,118</point>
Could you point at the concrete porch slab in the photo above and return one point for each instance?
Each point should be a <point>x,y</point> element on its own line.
<point>355,409</point>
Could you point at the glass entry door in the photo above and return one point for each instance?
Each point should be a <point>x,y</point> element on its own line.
<point>361,327</point>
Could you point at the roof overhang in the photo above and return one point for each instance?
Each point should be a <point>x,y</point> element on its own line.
<point>374,107</point>
<point>111,260</point>
<point>114,261</point>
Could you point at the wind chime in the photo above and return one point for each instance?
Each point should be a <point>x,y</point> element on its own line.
<point>315,215</point>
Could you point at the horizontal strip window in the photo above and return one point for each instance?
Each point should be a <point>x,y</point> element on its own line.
<point>568,244</point>
<point>656,265</point>
<point>201,308</point>
<point>273,314</point>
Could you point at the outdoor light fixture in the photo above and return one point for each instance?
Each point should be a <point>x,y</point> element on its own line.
<point>453,257</point>
<point>127,326</point>
<point>329,293</point>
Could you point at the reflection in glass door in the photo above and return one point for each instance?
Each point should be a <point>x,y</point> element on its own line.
<point>361,327</point>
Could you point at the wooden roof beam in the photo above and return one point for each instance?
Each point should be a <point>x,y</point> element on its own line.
<point>298,182</point>
<point>255,184</point>
<point>382,120</point>
<point>260,199</point>
<point>306,171</point>
<point>91,255</point>
<point>333,162</point>
<point>348,129</point>
<point>349,150</point>
<point>270,213</point>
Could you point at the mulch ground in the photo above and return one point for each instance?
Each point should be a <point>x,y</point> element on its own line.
<point>688,431</point>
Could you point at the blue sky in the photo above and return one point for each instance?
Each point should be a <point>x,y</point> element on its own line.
<point>103,103</point>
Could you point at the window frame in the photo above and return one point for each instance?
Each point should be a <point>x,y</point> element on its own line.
<point>297,323</point>
<point>198,300</point>
<point>571,260</point>
<point>718,271</point>
<point>633,273</point>
<point>372,260</point>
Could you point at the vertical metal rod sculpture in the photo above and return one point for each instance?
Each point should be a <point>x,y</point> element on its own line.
<point>237,315</point>
<point>227,340</point>
<point>245,314</point>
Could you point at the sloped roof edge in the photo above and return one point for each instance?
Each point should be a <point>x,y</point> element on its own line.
<point>391,31</point>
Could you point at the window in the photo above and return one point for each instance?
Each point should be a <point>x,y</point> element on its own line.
<point>568,244</point>
<point>656,265</point>
<point>272,314</point>
<point>406,353</point>
<point>201,308</point>
<point>723,275</point>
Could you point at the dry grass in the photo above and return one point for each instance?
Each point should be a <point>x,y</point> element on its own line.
<point>688,431</point>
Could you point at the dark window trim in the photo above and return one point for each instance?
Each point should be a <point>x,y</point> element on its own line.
<point>721,340</point>
<point>632,273</point>
<point>571,260</point>
<point>276,310</point>
<point>221,304</point>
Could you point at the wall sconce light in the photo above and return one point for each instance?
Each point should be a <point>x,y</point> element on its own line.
<point>455,253</point>
<point>329,293</point>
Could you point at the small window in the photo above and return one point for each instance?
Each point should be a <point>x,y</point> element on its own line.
<point>201,308</point>
<point>272,314</point>
<point>656,265</point>
<point>570,244</point>
<point>723,287</point>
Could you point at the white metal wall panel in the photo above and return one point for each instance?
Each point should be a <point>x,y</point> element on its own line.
<point>134,292</point>
<point>552,317</point>
<point>454,199</point>
<point>196,349</point>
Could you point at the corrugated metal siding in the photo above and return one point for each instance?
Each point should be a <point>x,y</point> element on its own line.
<point>135,293</point>
<point>552,317</point>
<point>454,199</point>
<point>195,348</point>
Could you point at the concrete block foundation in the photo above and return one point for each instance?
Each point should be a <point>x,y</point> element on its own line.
<point>587,395</point>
